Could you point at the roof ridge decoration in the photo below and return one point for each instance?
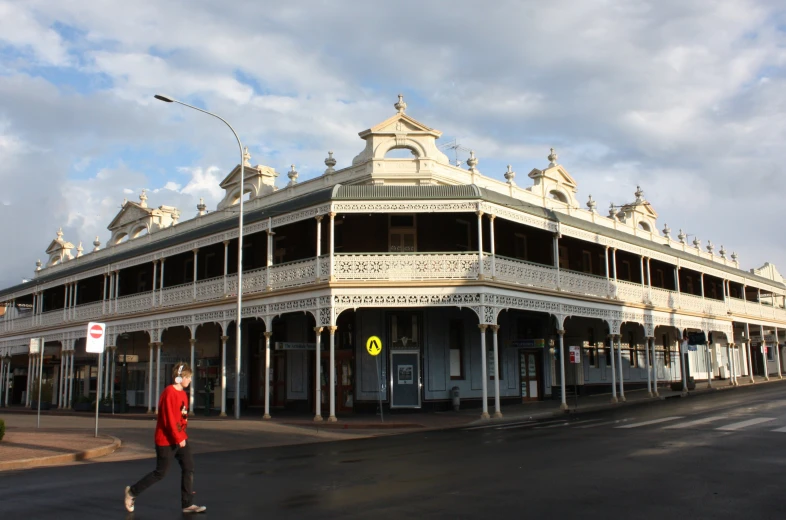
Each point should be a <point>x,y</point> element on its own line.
<point>259,180</point>
<point>136,218</point>
<point>59,250</point>
<point>554,183</point>
<point>400,131</point>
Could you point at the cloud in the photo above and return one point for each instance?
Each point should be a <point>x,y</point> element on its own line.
<point>686,99</point>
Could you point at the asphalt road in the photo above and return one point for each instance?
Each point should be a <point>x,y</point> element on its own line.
<point>711,456</point>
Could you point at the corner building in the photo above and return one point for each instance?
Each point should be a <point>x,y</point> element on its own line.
<point>508,293</point>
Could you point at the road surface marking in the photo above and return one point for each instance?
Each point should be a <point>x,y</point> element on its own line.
<point>647,423</point>
<point>744,424</point>
<point>697,422</point>
<point>780,430</point>
<point>494,425</point>
<point>606,423</point>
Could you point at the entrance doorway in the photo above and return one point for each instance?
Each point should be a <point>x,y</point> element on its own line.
<point>531,375</point>
<point>344,368</point>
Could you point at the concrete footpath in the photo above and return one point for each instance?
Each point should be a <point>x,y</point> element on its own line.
<point>67,437</point>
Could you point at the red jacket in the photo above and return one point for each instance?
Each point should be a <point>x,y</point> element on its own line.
<point>172,417</point>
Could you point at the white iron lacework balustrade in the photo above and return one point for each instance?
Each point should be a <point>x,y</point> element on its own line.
<point>583,283</point>
<point>88,311</point>
<point>210,289</point>
<point>406,266</point>
<point>134,303</point>
<point>629,291</point>
<point>51,317</point>
<point>736,305</point>
<point>664,298</point>
<point>177,295</point>
<point>525,273</point>
<point>324,266</point>
<point>292,274</point>
<point>253,281</point>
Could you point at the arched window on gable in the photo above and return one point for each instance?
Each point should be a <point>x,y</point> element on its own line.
<point>559,196</point>
<point>644,226</point>
<point>401,153</point>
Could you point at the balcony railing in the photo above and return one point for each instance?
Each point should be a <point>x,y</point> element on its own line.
<point>376,267</point>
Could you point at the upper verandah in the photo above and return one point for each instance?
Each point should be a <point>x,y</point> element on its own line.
<point>552,188</point>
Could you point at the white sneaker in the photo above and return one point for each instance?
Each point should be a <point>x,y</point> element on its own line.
<point>129,500</point>
<point>194,509</point>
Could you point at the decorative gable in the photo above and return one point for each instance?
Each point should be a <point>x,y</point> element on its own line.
<point>136,219</point>
<point>554,183</point>
<point>401,132</point>
<point>258,180</point>
<point>639,214</point>
<point>59,250</point>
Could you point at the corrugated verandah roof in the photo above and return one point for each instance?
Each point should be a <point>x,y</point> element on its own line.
<point>368,192</point>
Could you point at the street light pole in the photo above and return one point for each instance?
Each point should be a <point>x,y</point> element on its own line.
<point>239,247</point>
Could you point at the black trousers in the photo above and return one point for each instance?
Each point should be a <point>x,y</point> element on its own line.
<point>163,458</point>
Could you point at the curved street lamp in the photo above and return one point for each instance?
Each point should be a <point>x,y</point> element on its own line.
<point>168,99</point>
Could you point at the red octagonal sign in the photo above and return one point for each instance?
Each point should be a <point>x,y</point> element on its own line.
<point>96,331</point>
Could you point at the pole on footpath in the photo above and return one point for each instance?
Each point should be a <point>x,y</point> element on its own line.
<point>98,388</point>
<point>379,391</point>
<point>40,377</point>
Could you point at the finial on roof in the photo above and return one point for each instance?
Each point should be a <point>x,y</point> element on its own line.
<point>697,243</point>
<point>38,265</point>
<point>710,247</point>
<point>591,204</point>
<point>510,175</point>
<point>96,244</point>
<point>734,256</point>
<point>292,174</point>
<point>143,199</point>
<point>722,252</point>
<point>201,207</point>
<point>79,250</point>
<point>60,233</point>
<point>246,157</point>
<point>123,204</point>
<point>682,236</point>
<point>612,214</point>
<point>401,105</point>
<point>552,158</point>
<point>666,231</point>
<point>472,162</point>
<point>639,194</point>
<point>330,162</point>
<point>175,216</point>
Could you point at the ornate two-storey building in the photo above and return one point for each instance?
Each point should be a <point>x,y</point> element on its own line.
<point>471,282</point>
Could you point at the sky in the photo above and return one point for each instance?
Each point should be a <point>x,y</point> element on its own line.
<point>685,99</point>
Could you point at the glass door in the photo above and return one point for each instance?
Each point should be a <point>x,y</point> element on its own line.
<point>530,375</point>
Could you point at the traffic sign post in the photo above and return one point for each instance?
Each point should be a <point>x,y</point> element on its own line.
<point>37,348</point>
<point>575,359</point>
<point>96,336</point>
<point>374,347</point>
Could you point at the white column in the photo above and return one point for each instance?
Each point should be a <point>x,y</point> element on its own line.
<point>155,272</point>
<point>641,270</point>
<point>150,380</point>
<point>619,362</point>
<point>71,377</point>
<point>111,380</point>
<point>226,264</point>
<point>318,363</point>
<point>564,404</point>
<point>117,287</point>
<point>606,270</point>
<point>494,331</point>
<point>750,356</point>
<point>65,301</point>
<point>29,379</point>
<point>778,351</point>
<point>654,370</point>
<point>708,361</point>
<point>74,303</point>
<point>649,286</point>
<point>484,375</point>
<point>196,258</point>
<point>158,374</point>
<point>332,246</point>
<point>319,251</point>
<point>613,371</point>
<point>111,291</point>
<point>192,342</point>
<point>103,301</point>
<point>224,375</point>
<point>701,278</point>
<point>493,250</point>
<point>556,257</point>
<point>647,364</point>
<point>764,344</point>
<point>730,355</point>
<point>269,261</point>
<point>268,334</point>
<point>61,380</point>
<point>332,329</point>
<point>161,284</point>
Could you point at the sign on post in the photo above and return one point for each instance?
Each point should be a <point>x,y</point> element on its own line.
<point>96,335</point>
<point>35,346</point>
<point>374,347</point>
<point>95,338</point>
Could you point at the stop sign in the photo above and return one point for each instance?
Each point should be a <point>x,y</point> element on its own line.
<point>95,337</point>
